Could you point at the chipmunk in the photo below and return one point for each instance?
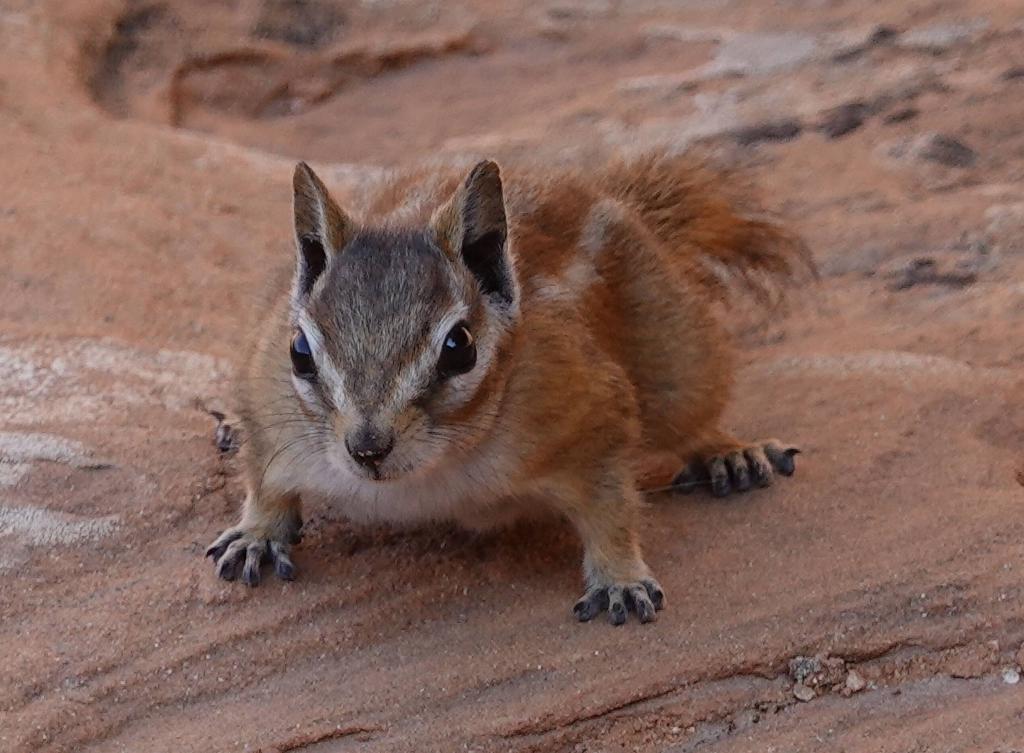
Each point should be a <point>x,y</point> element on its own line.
<point>477,349</point>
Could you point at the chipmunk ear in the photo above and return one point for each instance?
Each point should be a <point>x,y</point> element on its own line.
<point>472,228</point>
<point>321,227</point>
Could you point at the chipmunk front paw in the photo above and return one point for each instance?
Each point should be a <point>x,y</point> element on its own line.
<point>644,598</point>
<point>249,548</point>
<point>738,469</point>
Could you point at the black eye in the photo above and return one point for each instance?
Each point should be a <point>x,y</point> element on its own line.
<point>458,354</point>
<point>302,357</point>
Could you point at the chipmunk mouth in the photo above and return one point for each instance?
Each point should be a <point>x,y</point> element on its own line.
<point>377,474</point>
<point>369,474</point>
<point>395,471</point>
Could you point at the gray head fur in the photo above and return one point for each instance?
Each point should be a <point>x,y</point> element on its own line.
<point>376,305</point>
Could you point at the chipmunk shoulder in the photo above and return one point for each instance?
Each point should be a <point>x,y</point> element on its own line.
<point>483,346</point>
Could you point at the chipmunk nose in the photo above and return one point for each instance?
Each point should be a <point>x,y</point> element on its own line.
<point>368,446</point>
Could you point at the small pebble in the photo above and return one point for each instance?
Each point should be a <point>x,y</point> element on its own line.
<point>1011,676</point>
<point>803,693</point>
<point>802,667</point>
<point>855,682</point>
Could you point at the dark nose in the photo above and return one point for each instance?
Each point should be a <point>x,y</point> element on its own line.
<point>369,447</point>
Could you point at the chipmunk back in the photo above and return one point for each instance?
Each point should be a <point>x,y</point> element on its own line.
<point>484,347</point>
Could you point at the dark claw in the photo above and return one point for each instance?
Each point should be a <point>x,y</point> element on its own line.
<point>591,604</point>
<point>645,610</point>
<point>720,485</point>
<point>254,556</point>
<point>251,574</point>
<point>739,472</point>
<point>782,459</point>
<point>654,591</point>
<point>584,611</point>
<point>742,480</point>
<point>760,468</point>
<point>284,568</point>
<point>218,547</point>
<point>227,568</point>
<point>638,600</point>
<point>616,606</point>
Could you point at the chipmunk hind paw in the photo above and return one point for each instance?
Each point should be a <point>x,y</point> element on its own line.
<point>738,468</point>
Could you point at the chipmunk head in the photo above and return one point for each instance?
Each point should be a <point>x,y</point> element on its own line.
<point>397,332</point>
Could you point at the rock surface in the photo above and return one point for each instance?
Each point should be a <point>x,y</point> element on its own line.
<point>145,192</point>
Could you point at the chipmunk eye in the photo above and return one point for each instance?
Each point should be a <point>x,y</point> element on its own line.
<point>302,357</point>
<point>458,354</point>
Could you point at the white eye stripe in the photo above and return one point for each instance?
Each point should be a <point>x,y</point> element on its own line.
<point>313,335</point>
<point>411,380</point>
<point>330,377</point>
<point>448,321</point>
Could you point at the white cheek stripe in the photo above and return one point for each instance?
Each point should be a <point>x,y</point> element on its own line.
<point>464,386</point>
<point>409,380</point>
<point>304,390</point>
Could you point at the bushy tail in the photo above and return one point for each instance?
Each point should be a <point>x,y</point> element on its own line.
<point>700,212</point>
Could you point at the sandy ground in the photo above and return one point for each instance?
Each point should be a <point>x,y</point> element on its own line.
<point>145,158</point>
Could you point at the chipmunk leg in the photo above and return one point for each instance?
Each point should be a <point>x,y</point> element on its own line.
<point>728,465</point>
<point>617,578</point>
<point>270,525</point>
